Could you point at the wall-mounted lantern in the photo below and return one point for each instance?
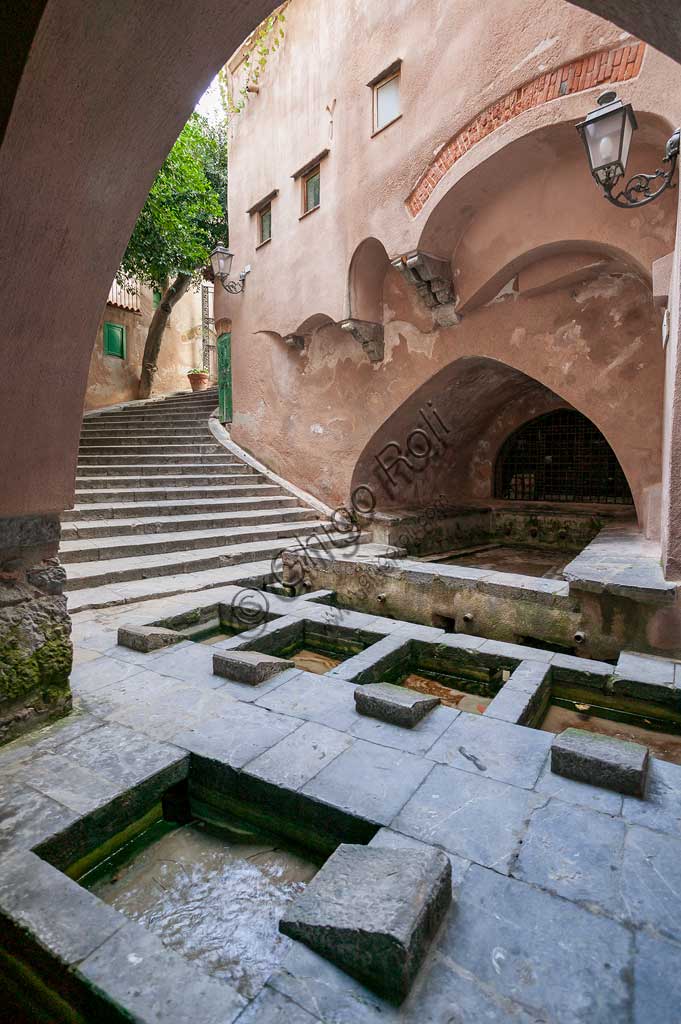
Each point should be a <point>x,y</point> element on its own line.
<point>221,262</point>
<point>606,133</point>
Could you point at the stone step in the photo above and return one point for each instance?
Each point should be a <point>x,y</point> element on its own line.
<point>168,405</point>
<point>172,493</point>
<point>199,418</point>
<point>246,574</point>
<point>91,471</point>
<point>162,509</point>
<point>188,410</point>
<point>200,422</point>
<point>160,449</point>
<point>147,440</point>
<point>116,547</point>
<point>122,527</point>
<point>141,431</point>
<point>193,479</point>
<point>141,461</point>
<point>168,420</point>
<point>101,573</point>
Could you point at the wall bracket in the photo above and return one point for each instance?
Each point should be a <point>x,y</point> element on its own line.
<point>430,275</point>
<point>370,336</point>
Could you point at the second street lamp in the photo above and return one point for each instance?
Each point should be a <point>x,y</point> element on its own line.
<point>221,263</point>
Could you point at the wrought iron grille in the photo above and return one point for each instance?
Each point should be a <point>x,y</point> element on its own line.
<point>560,456</point>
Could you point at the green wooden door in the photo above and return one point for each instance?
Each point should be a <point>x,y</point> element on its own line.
<point>225,377</point>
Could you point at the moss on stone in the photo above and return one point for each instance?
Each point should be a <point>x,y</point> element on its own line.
<point>45,670</point>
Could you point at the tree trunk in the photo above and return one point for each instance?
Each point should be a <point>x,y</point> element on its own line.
<point>158,324</point>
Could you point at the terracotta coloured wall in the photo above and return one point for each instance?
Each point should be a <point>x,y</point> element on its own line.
<point>515,212</point>
<point>112,380</point>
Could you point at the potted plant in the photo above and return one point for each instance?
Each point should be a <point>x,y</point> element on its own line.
<point>198,378</point>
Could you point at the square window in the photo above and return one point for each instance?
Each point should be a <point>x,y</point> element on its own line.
<point>114,340</point>
<point>311,190</point>
<point>265,223</point>
<point>386,101</point>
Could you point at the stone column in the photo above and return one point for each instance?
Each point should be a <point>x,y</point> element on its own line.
<point>35,630</point>
<point>671,448</point>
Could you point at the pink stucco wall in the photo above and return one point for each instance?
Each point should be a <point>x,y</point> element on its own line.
<point>69,201</point>
<point>518,213</point>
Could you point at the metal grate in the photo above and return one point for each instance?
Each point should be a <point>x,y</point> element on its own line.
<point>561,456</point>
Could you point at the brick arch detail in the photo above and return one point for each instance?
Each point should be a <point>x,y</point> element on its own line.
<point>602,68</point>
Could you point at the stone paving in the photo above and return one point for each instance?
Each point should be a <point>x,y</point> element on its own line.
<point>566,897</point>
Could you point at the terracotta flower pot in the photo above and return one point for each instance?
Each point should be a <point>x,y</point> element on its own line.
<point>199,381</point>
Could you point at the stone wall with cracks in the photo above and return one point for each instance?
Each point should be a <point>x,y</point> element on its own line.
<point>35,630</point>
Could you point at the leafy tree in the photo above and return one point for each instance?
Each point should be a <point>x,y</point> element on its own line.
<point>182,221</point>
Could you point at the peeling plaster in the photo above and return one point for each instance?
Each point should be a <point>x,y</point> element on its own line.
<point>417,342</point>
<point>508,291</point>
<point>598,288</point>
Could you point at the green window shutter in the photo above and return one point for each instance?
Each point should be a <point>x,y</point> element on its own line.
<point>157,296</point>
<point>114,340</point>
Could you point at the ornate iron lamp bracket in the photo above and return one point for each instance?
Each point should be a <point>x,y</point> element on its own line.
<point>233,287</point>
<point>637,191</point>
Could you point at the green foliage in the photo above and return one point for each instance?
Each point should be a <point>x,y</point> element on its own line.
<point>264,41</point>
<point>184,217</point>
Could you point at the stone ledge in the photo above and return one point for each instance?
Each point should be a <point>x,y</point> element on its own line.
<point>52,911</point>
<point>521,699</point>
<point>373,911</point>
<point>601,761</point>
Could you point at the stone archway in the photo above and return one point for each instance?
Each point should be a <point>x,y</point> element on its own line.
<point>443,441</point>
<point>561,457</point>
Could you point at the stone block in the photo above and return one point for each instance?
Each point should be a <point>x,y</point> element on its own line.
<point>373,911</point>
<point>36,653</point>
<point>522,699</point>
<point>248,666</point>
<point>369,781</point>
<point>147,982</point>
<point>477,818</point>
<point>493,749</point>
<point>147,638</point>
<point>52,911</point>
<point>646,677</point>
<point>575,853</point>
<point>395,704</point>
<point>601,761</point>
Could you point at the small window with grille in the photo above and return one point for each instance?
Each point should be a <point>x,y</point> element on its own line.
<point>560,456</point>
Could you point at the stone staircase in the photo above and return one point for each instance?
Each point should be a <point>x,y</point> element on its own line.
<point>162,508</point>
